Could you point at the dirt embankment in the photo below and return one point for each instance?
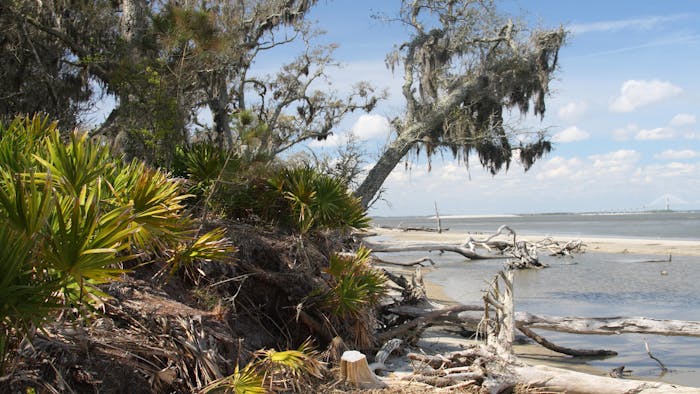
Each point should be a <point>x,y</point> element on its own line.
<point>160,333</point>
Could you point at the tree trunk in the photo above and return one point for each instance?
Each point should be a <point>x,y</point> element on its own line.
<point>408,138</point>
<point>392,247</point>
<point>355,371</point>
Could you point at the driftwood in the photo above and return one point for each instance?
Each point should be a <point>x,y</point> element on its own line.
<point>561,349</point>
<point>610,325</point>
<point>389,347</point>
<point>494,368</point>
<point>377,260</point>
<point>566,381</point>
<point>524,253</point>
<point>423,321</point>
<point>500,330</point>
<point>392,247</point>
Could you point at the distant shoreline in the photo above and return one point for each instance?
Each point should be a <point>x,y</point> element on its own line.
<point>662,247</point>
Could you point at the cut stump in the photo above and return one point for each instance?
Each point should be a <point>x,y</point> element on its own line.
<point>355,371</point>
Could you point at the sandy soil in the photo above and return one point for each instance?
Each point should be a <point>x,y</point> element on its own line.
<point>602,245</point>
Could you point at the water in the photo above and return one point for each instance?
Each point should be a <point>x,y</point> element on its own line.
<point>661,225</point>
<point>593,284</point>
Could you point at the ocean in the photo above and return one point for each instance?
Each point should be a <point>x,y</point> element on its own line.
<point>590,284</point>
<point>648,225</point>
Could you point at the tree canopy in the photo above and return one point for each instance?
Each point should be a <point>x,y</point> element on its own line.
<point>463,66</point>
<point>164,62</point>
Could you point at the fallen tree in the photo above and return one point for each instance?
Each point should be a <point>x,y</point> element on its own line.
<point>494,367</point>
<point>611,325</point>
<point>522,254</point>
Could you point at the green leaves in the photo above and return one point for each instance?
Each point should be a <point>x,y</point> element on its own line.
<point>70,214</point>
<point>318,201</point>
<point>156,204</point>
<point>276,369</point>
<point>356,285</point>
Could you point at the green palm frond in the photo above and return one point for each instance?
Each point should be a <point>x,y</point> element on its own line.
<point>27,292</point>
<point>299,363</point>
<point>24,203</point>
<point>210,246</point>
<point>156,203</point>
<point>76,164</point>
<point>318,201</point>
<point>84,244</point>
<point>356,285</point>
<point>21,139</point>
<point>245,381</point>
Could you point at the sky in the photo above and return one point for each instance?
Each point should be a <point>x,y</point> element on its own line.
<point>623,114</point>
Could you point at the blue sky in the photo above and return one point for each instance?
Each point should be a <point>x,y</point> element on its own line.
<point>624,111</point>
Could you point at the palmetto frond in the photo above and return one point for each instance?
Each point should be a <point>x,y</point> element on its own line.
<point>156,204</point>
<point>243,381</point>
<point>210,246</point>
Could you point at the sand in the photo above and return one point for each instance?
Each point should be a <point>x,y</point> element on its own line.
<point>593,244</point>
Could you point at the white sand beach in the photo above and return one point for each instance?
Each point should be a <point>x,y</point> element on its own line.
<point>593,244</point>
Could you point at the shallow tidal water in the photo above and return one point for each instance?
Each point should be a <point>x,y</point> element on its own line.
<point>597,285</point>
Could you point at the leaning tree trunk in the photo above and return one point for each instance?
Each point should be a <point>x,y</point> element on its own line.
<point>408,137</point>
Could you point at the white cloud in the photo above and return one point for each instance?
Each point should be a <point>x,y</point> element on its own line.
<point>331,141</point>
<point>371,126</point>
<point>571,134</point>
<point>621,24</point>
<point>573,111</point>
<point>683,120</point>
<point>659,133</point>
<point>625,133</point>
<point>636,93</point>
<point>671,154</point>
<point>558,167</point>
<point>615,162</point>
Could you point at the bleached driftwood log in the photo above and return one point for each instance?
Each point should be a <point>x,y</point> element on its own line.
<point>571,382</point>
<point>524,252</point>
<point>380,359</point>
<point>610,325</point>
<point>354,370</point>
<point>393,247</point>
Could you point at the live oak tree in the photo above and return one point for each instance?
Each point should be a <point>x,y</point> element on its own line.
<point>165,61</point>
<point>464,65</point>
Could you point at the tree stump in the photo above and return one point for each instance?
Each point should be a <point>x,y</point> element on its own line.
<point>355,370</point>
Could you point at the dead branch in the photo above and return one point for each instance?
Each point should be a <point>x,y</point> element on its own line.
<point>561,349</point>
<point>423,321</point>
<point>377,260</point>
<point>646,346</point>
<point>389,347</point>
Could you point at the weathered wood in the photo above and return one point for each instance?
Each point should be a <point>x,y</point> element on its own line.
<point>610,325</point>
<point>354,370</point>
<point>500,331</point>
<point>380,359</point>
<point>377,260</point>
<point>561,349</point>
<point>423,320</point>
<point>392,247</point>
<point>572,382</point>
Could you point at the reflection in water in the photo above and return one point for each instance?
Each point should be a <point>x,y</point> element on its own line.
<point>591,285</point>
